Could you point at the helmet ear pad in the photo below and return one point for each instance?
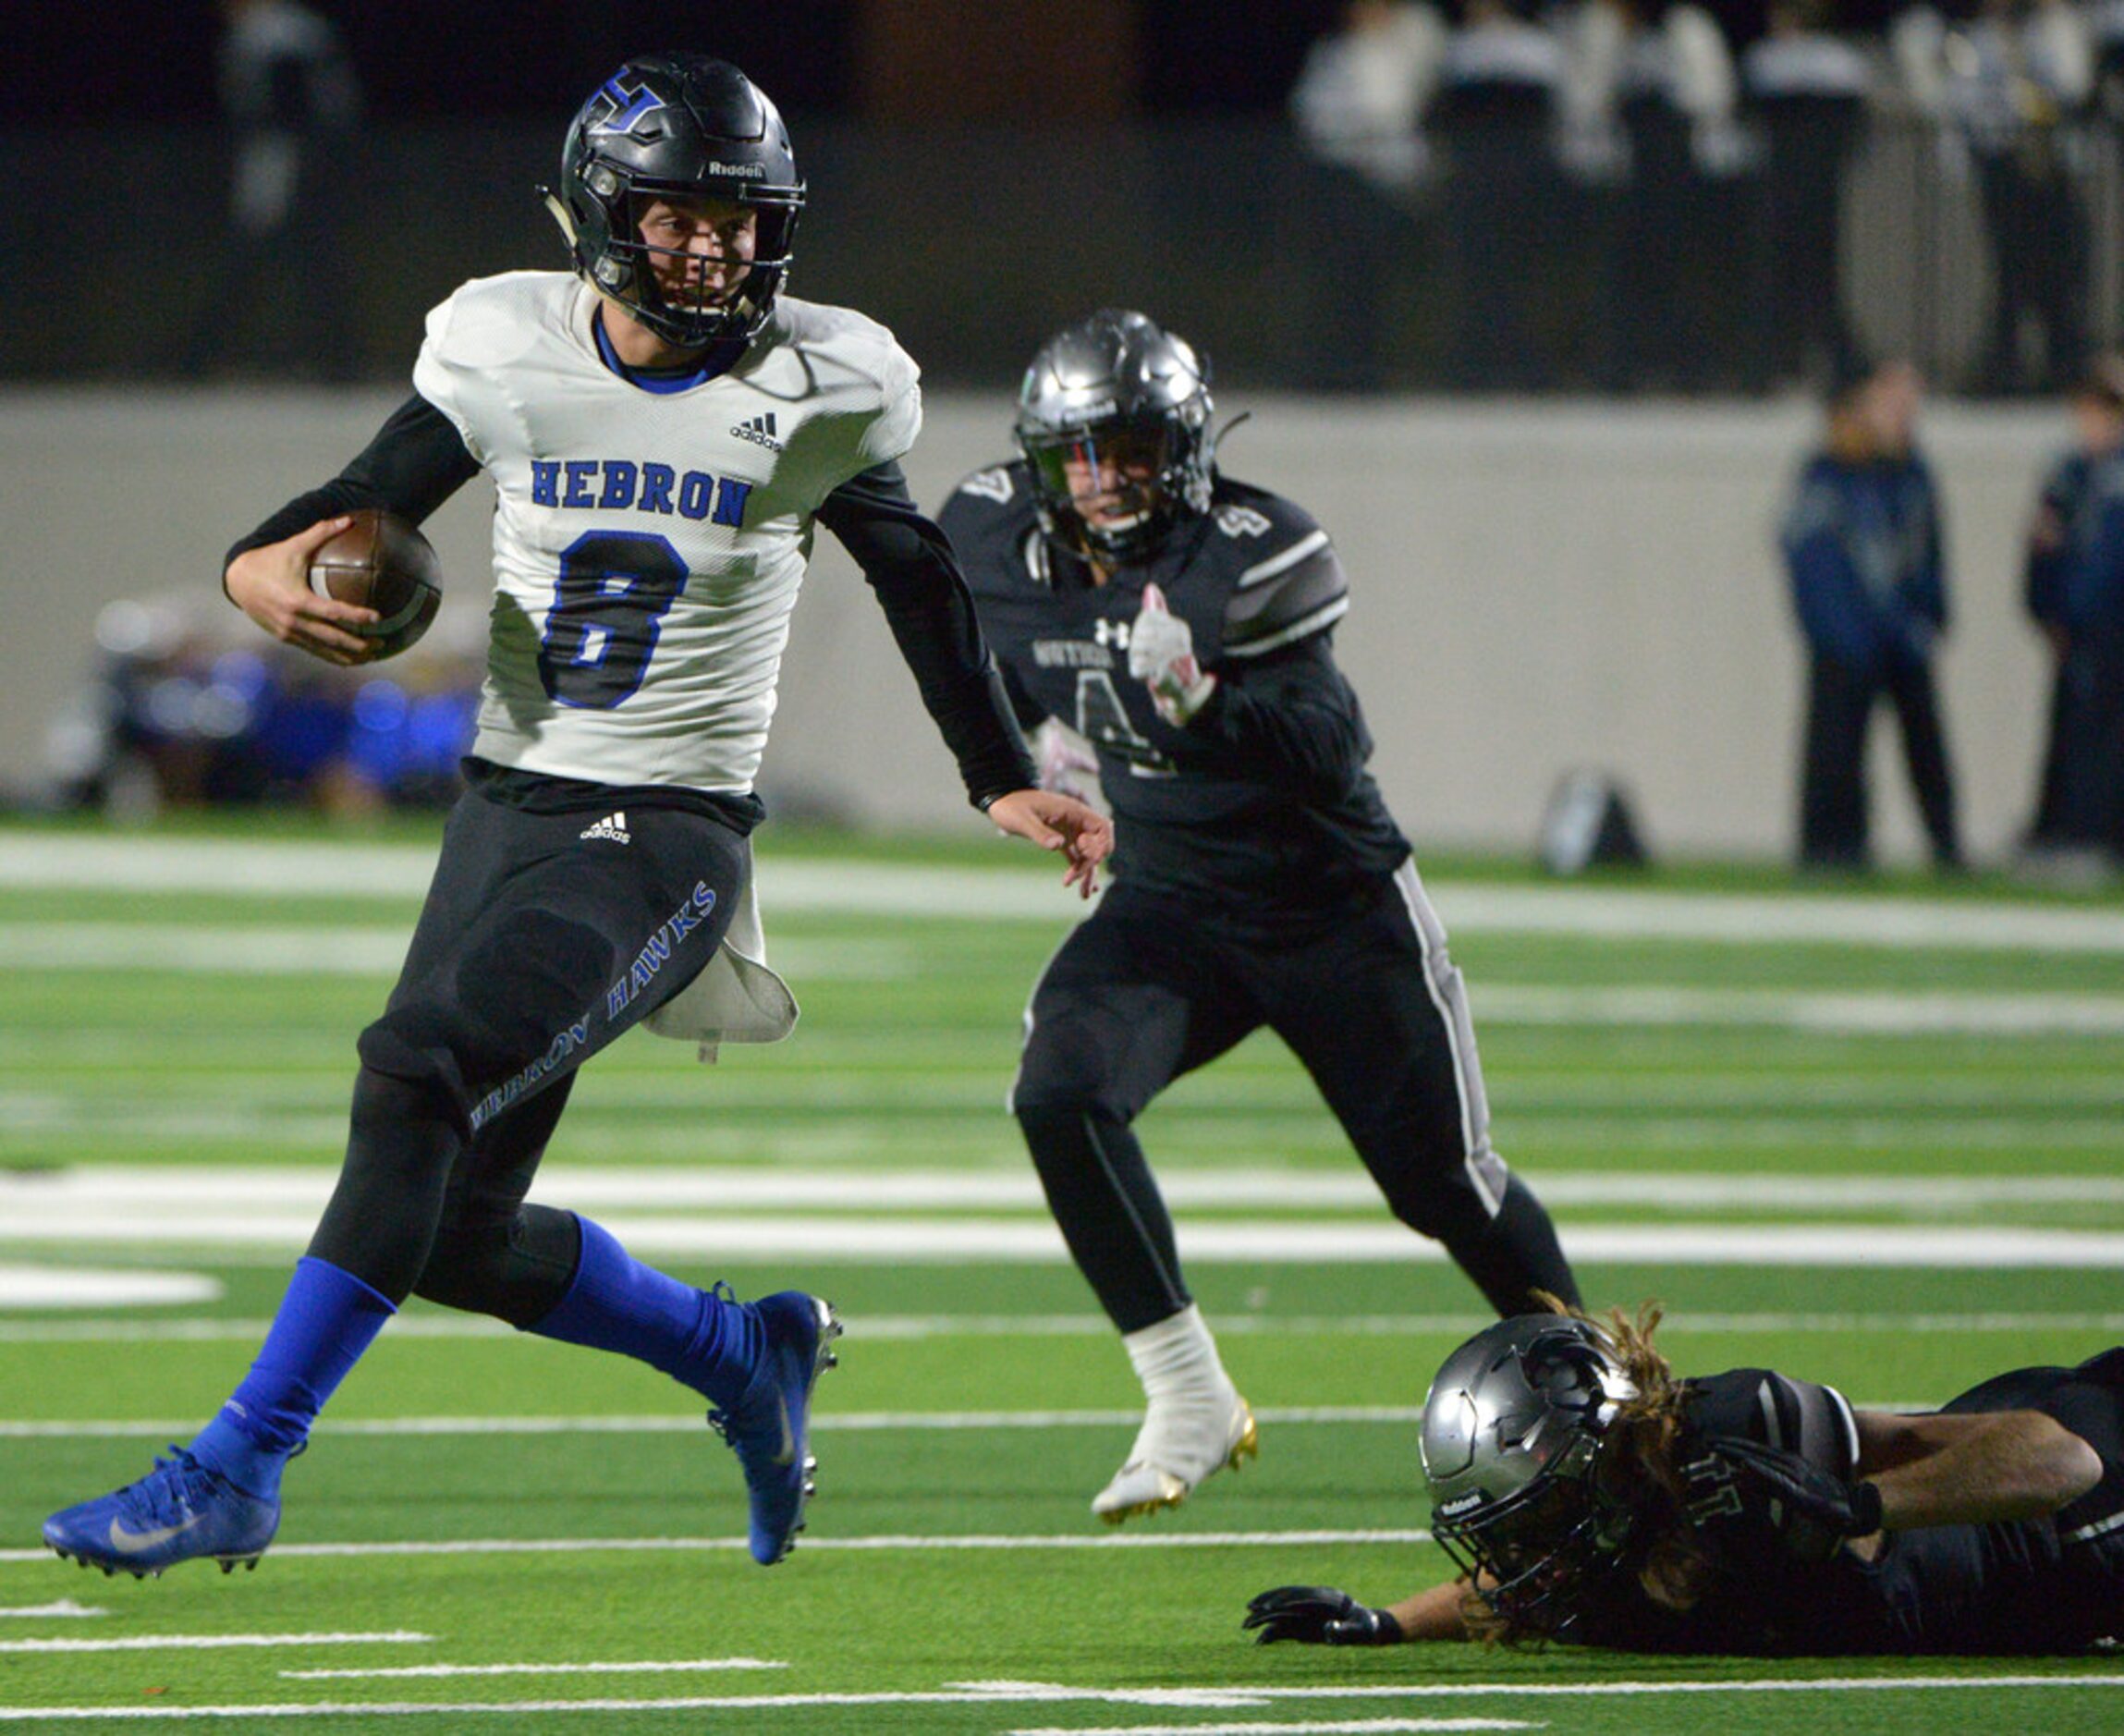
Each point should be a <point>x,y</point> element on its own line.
<point>678,126</point>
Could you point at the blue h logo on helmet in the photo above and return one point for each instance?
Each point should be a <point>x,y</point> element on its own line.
<point>629,107</point>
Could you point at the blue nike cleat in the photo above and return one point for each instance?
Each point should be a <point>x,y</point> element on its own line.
<point>179,1511</point>
<point>769,1426</point>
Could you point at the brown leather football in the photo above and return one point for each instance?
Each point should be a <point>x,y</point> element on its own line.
<point>382,563</point>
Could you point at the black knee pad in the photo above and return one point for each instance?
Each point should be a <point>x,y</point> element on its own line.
<point>403,1138</point>
<point>458,1032</point>
<point>516,1268</point>
<point>386,1108</point>
<point>408,1061</point>
<point>557,972</point>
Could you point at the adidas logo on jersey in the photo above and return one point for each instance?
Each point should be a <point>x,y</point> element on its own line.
<point>613,826</point>
<point>759,431</point>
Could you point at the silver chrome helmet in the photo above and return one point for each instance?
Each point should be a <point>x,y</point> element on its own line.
<point>1512,1431</point>
<point>1116,386</point>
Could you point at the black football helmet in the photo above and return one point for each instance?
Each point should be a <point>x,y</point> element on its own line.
<point>1512,1433</point>
<point>1117,386</point>
<point>678,126</point>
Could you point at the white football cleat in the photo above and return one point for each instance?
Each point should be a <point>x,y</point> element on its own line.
<point>1184,1439</point>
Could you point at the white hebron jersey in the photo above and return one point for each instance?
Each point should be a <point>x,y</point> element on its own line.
<point>648,545</point>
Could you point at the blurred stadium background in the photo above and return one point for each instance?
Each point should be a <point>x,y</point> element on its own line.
<point>1579,571</point>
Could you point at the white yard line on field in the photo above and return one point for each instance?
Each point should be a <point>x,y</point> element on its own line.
<point>1312,1726</point>
<point>852,1422</point>
<point>222,950</point>
<point>682,1665</point>
<point>117,1114</point>
<point>213,1641</point>
<point>901,1327</point>
<point>1917,1012</point>
<point>194,949</point>
<point>254,869</point>
<point>906,1542</point>
<point>235,1189</point>
<point>1054,1693</point>
<point>937,1240</point>
<point>441,1323</point>
<point>88,1286</point>
<point>869,1327</point>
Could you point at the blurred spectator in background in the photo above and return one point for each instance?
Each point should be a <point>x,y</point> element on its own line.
<point>1653,90</point>
<point>1863,547</point>
<point>2075,594</point>
<point>1360,97</point>
<point>2010,83</point>
<point>2106,37</point>
<point>177,715</point>
<point>1494,121</point>
<point>1358,105</point>
<point>2062,521</point>
<point>1807,89</point>
<point>291,102</point>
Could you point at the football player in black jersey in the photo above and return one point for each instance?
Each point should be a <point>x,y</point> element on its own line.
<point>1589,1496</point>
<point>1180,621</point>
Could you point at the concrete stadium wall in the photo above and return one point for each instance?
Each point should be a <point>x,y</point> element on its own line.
<point>1537,587</point>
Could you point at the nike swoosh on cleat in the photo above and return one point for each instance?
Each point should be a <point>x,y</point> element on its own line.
<point>784,1454</point>
<point>139,1541</point>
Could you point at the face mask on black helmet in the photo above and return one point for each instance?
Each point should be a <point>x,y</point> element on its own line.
<point>1512,1432</point>
<point>678,126</point>
<point>1119,406</point>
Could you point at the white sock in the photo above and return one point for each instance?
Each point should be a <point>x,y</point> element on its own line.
<point>1176,1358</point>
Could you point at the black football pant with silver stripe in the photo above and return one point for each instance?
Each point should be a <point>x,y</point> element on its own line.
<point>1144,991</point>
<point>511,983</point>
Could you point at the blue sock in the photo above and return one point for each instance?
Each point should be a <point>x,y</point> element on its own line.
<point>328,1318</point>
<point>616,1304</point>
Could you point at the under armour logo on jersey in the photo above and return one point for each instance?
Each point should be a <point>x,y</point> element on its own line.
<point>613,826</point>
<point>994,485</point>
<point>1115,633</point>
<point>759,431</point>
<point>629,108</point>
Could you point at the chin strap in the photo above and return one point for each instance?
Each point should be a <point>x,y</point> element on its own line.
<point>1216,439</point>
<point>559,214</point>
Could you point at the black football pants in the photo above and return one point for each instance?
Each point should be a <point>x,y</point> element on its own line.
<point>542,940</point>
<point>1144,992</point>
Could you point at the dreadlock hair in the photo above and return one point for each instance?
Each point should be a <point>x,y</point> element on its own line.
<point>1635,1472</point>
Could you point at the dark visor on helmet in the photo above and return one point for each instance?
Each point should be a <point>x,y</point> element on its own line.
<point>1075,465</point>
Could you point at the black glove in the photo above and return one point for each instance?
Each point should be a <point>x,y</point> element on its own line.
<point>1816,1509</point>
<point>1318,1615</point>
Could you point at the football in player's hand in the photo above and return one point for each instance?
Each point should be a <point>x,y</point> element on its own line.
<point>382,563</point>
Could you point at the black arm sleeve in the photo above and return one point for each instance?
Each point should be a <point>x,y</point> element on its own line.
<point>416,462</point>
<point>1288,719</point>
<point>909,563</point>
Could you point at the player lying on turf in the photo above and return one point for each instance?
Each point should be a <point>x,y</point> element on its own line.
<point>1182,622</point>
<point>662,430</point>
<point>1589,1496</point>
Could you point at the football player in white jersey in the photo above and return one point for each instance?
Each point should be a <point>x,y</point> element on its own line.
<point>663,428</point>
